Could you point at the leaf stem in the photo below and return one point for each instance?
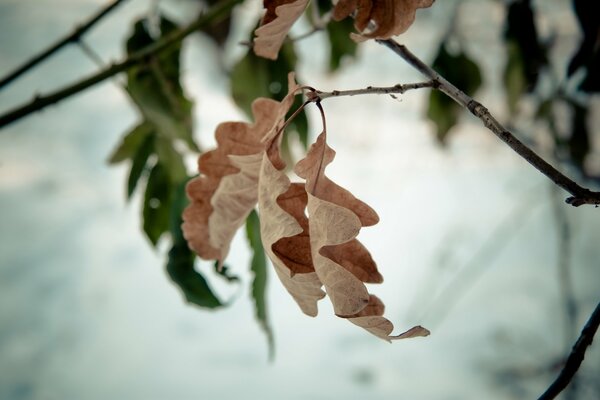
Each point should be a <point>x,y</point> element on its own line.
<point>73,37</point>
<point>580,195</point>
<point>41,101</point>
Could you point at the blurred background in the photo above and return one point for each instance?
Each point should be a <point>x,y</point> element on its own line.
<point>473,243</point>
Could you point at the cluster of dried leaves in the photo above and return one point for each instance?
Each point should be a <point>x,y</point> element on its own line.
<point>373,19</point>
<point>308,253</point>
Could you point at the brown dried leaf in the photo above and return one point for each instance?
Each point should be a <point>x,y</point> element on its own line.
<point>227,190</point>
<point>284,232</point>
<point>388,17</point>
<point>371,318</point>
<point>341,262</point>
<point>277,22</point>
<point>335,218</point>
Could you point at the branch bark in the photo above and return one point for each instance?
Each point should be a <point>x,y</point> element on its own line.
<point>318,95</point>
<point>575,358</point>
<point>42,101</point>
<point>580,195</point>
<point>71,38</point>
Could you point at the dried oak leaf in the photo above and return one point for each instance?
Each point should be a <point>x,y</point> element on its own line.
<point>387,17</point>
<point>227,189</point>
<point>277,22</point>
<point>341,262</point>
<point>284,231</point>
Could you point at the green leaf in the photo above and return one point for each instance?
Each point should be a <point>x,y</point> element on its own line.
<point>254,77</point>
<point>130,143</point>
<point>155,86</point>
<point>259,285</point>
<point>157,204</point>
<point>340,44</point>
<point>180,265</point>
<point>464,74</point>
<point>514,76</point>
<point>579,141</point>
<point>224,273</point>
<point>138,164</point>
<point>521,33</point>
<point>171,160</point>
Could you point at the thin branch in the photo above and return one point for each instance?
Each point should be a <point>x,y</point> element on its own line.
<point>575,358</point>
<point>73,37</point>
<point>40,102</point>
<point>317,95</point>
<point>580,195</point>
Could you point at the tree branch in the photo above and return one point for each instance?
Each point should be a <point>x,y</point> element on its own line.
<point>71,38</point>
<point>575,358</point>
<point>580,195</point>
<point>317,95</point>
<point>40,102</point>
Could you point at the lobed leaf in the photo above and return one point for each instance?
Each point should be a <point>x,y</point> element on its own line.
<point>277,22</point>
<point>284,232</point>
<point>226,192</point>
<point>341,262</point>
<point>379,19</point>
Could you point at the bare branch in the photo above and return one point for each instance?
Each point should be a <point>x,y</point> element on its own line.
<point>73,37</point>
<point>575,358</point>
<point>40,102</point>
<point>580,195</point>
<point>317,95</point>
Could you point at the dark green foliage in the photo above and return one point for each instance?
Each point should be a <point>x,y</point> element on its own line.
<point>525,55</point>
<point>338,35</point>
<point>588,54</point>
<point>224,273</point>
<point>157,203</point>
<point>218,29</point>
<point>254,77</point>
<point>131,143</point>
<point>340,44</point>
<point>180,265</point>
<point>462,72</point>
<point>155,88</point>
<point>579,141</point>
<point>258,267</point>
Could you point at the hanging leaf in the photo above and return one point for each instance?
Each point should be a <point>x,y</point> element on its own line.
<point>155,86</point>
<point>465,74</point>
<point>341,262</point>
<point>131,142</point>
<point>514,76</point>
<point>579,141</point>
<point>525,54</point>
<point>278,20</point>
<point>379,19</point>
<point>258,266</point>
<point>157,204</point>
<point>339,45</point>
<point>180,265</point>
<point>588,54</point>
<point>223,272</point>
<point>170,159</point>
<point>139,163</point>
<point>284,232</point>
<point>226,192</point>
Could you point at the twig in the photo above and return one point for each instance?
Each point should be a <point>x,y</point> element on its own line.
<point>40,102</point>
<point>317,95</point>
<point>575,358</point>
<point>580,195</point>
<point>73,37</point>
